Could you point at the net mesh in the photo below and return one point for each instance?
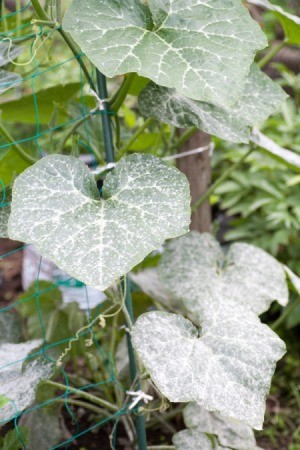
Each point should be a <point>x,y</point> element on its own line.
<point>47,107</point>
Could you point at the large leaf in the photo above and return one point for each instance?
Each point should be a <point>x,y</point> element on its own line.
<point>44,427</point>
<point>149,282</point>
<point>230,433</point>
<point>11,164</point>
<point>194,267</point>
<point>26,108</point>
<point>226,368</point>
<point>260,98</point>
<point>19,385</point>
<point>285,156</point>
<point>4,215</point>
<point>8,80</point>
<point>57,207</point>
<point>289,22</point>
<point>197,47</point>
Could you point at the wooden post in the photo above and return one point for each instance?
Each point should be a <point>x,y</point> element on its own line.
<point>197,169</point>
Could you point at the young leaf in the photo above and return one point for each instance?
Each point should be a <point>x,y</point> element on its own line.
<point>57,207</point>
<point>290,23</point>
<point>194,440</point>
<point>19,385</point>
<point>230,433</point>
<point>227,368</point>
<point>4,216</point>
<point>260,98</point>
<point>287,157</point>
<point>194,267</point>
<point>210,44</point>
<point>11,440</point>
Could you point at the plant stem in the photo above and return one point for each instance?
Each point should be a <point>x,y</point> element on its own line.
<point>71,131</point>
<point>185,136</point>
<point>47,21</point>
<point>270,55</point>
<point>219,181</point>
<point>119,97</point>
<point>286,312</point>
<point>85,405</point>
<point>90,397</point>
<point>127,146</point>
<point>16,147</point>
<point>106,120</point>
<point>161,447</point>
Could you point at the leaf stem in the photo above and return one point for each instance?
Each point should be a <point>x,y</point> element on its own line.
<point>219,181</point>
<point>85,405</point>
<point>286,312</point>
<point>161,447</point>
<point>119,97</point>
<point>90,397</point>
<point>185,137</point>
<point>22,153</point>
<point>271,53</point>
<point>135,136</point>
<point>48,22</point>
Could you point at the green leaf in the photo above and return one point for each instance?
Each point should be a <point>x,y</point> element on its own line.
<point>195,264</point>
<point>38,315</point>
<point>293,278</point>
<point>24,109</point>
<point>290,23</point>
<point>11,164</point>
<point>196,47</point>
<point>12,440</point>
<point>4,216</point>
<point>8,80</point>
<point>19,385</point>
<point>230,433</point>
<point>193,440</point>
<point>287,157</point>
<point>261,97</point>
<point>3,401</point>
<point>149,282</point>
<point>138,84</point>
<point>57,207</point>
<point>44,430</point>
<point>227,367</point>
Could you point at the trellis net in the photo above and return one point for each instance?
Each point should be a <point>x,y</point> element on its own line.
<point>49,322</point>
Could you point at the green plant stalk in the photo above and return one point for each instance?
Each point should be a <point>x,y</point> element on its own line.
<point>287,311</point>
<point>270,55</point>
<point>47,21</point>
<point>80,393</point>
<point>161,447</point>
<point>135,136</point>
<point>185,136</point>
<point>219,181</point>
<point>85,405</point>
<point>118,98</point>
<point>109,150</point>
<point>16,147</point>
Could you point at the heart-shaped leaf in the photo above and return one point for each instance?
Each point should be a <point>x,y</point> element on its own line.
<point>260,98</point>
<point>4,216</point>
<point>285,156</point>
<point>197,47</point>
<point>228,368</point>
<point>57,207</point>
<point>195,266</point>
<point>194,440</point>
<point>18,385</point>
<point>290,23</point>
<point>230,433</point>
<point>149,282</point>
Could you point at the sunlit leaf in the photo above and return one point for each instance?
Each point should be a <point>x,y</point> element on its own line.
<point>261,97</point>
<point>57,207</point>
<point>225,367</point>
<point>197,47</point>
<point>193,440</point>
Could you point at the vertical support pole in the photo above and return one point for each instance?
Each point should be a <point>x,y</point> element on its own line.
<point>109,150</point>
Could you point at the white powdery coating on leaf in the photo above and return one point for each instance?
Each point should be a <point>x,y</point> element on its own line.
<point>19,385</point>
<point>231,433</point>
<point>203,48</point>
<point>261,98</point>
<point>194,267</point>
<point>193,440</point>
<point>227,369</point>
<point>149,282</point>
<point>4,216</point>
<point>56,206</point>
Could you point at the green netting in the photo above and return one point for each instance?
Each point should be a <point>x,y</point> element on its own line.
<point>46,66</point>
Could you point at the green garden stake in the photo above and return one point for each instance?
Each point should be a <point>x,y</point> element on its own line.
<point>109,150</point>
